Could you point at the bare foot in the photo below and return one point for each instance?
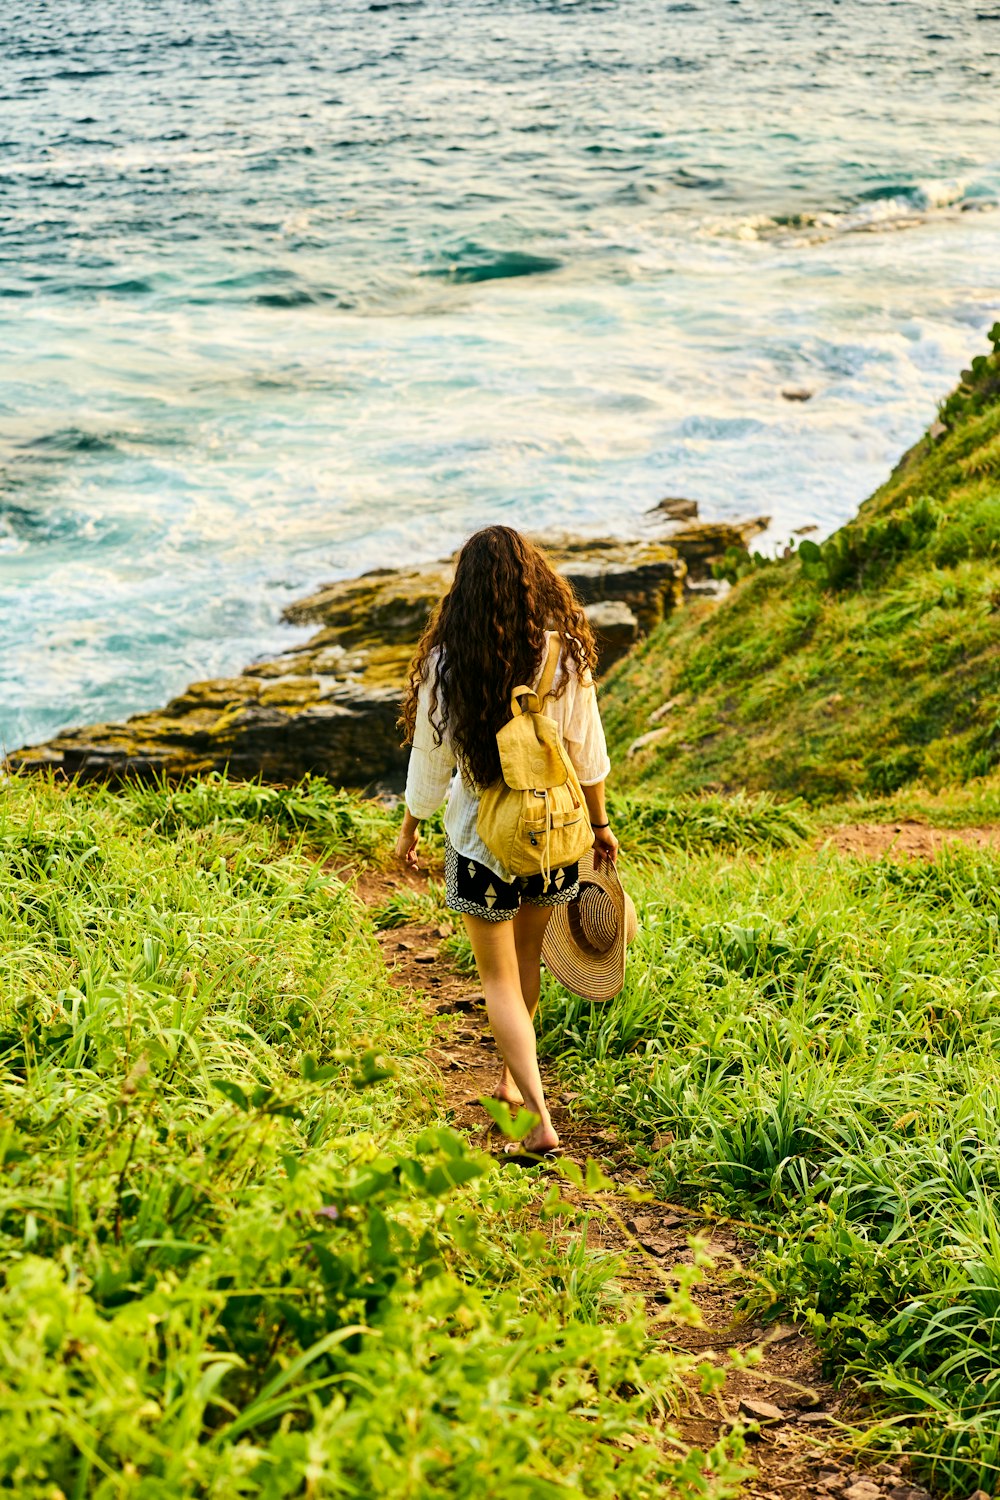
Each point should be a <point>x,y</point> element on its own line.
<point>542,1138</point>
<point>507,1091</point>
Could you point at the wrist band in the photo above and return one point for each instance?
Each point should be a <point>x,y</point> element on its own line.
<point>600,825</point>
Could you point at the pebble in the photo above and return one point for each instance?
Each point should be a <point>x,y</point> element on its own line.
<point>765,1411</point>
<point>913,1492</point>
<point>863,1490</point>
<point>777,1333</point>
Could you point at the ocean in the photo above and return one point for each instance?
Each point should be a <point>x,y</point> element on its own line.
<point>293,290</point>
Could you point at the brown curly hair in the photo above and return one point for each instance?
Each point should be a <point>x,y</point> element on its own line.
<point>489,632</point>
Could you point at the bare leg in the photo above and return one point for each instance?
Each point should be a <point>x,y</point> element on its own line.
<point>496,957</point>
<point>529,930</point>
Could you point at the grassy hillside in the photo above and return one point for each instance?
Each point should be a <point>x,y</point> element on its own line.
<point>241,1254</point>
<point>866,665</point>
<point>812,1043</point>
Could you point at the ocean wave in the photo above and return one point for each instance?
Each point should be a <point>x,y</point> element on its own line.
<point>887,207</point>
<point>71,440</point>
<point>29,524</point>
<point>297,297</point>
<point>28,452</point>
<point>479,263</point>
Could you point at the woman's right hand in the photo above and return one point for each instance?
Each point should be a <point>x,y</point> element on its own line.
<point>406,843</point>
<point>605,847</point>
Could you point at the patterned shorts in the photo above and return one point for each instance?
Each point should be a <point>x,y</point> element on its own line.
<point>473,888</point>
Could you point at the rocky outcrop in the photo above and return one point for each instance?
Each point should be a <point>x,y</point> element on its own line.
<point>615,628</point>
<point>278,728</point>
<point>330,706</point>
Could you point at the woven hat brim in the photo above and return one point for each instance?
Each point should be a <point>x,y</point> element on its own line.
<point>579,969</point>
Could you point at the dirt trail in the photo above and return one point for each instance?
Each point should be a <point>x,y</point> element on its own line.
<point>798,1453</point>
<point>906,840</point>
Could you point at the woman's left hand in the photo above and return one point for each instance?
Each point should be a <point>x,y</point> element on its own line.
<point>605,847</point>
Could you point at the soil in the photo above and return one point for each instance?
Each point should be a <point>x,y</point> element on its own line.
<point>801,1450</point>
<point>906,840</point>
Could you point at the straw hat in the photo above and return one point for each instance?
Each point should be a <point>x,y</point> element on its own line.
<point>585,941</point>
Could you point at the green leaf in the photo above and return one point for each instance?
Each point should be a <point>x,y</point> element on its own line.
<point>499,1112</point>
<point>452,1174</point>
<point>314,1072</point>
<point>232,1092</point>
<point>555,1204</point>
<point>371,1069</point>
<point>595,1180</point>
<point>571,1170</point>
<point>264,1405</point>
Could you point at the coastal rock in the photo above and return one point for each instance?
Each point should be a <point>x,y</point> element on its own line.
<point>348,734</point>
<point>616,629</point>
<point>648,577</point>
<point>388,605</point>
<point>675,508</point>
<point>330,706</point>
<point>707,543</point>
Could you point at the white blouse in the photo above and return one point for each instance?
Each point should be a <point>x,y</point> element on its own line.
<point>429,773</point>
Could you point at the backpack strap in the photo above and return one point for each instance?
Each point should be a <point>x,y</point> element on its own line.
<point>544,688</point>
<point>548,676</point>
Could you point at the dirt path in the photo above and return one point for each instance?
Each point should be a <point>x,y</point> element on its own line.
<point>906,840</point>
<point>798,1453</point>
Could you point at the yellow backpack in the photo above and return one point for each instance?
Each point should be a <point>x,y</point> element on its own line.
<point>535,819</point>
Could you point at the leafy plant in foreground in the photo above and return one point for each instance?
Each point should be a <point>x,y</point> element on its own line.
<point>241,1254</point>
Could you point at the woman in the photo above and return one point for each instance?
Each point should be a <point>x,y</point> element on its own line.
<point>490,634</point>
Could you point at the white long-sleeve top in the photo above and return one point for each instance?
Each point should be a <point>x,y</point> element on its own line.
<point>431,767</point>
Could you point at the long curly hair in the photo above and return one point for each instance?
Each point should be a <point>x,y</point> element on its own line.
<point>488,633</point>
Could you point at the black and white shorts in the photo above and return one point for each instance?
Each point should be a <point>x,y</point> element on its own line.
<point>473,888</point>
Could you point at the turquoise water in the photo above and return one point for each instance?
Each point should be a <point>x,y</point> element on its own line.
<point>292,290</point>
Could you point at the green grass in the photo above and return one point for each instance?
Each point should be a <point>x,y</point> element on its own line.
<point>862,668</point>
<point>652,823</point>
<point>242,1254</point>
<point>977,803</point>
<point>821,1038</point>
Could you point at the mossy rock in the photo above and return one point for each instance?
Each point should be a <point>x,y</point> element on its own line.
<point>330,706</point>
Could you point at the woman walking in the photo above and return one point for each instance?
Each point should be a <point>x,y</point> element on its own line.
<point>495,630</point>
